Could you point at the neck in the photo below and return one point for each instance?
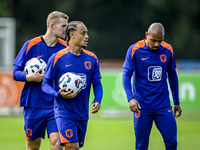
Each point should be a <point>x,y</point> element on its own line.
<point>74,49</point>
<point>50,39</point>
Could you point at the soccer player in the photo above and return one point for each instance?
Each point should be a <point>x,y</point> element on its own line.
<point>39,106</point>
<point>151,61</point>
<point>71,109</point>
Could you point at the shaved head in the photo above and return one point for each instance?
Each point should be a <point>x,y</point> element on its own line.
<point>156,28</point>
<point>154,36</point>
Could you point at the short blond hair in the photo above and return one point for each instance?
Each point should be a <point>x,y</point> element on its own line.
<point>54,16</point>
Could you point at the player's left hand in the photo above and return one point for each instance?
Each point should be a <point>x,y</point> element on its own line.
<point>177,111</point>
<point>95,107</point>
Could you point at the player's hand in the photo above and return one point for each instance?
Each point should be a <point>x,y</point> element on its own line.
<point>177,111</point>
<point>67,94</point>
<point>134,105</point>
<point>95,107</point>
<point>36,76</point>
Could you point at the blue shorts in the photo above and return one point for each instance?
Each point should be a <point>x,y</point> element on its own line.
<point>71,131</point>
<point>165,122</point>
<point>37,120</point>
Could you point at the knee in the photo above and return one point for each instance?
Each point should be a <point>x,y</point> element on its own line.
<point>56,146</point>
<point>33,147</point>
<point>71,146</point>
<point>33,144</point>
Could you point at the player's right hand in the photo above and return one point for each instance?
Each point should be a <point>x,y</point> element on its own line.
<point>134,105</point>
<point>67,94</point>
<point>36,76</point>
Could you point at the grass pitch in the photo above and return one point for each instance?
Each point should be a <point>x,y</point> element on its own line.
<point>103,134</point>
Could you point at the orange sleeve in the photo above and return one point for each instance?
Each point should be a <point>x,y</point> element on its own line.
<point>62,42</point>
<point>167,46</point>
<point>60,54</point>
<point>33,42</point>
<point>137,46</point>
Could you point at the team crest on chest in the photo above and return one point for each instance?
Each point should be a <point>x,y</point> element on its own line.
<point>163,58</point>
<point>87,65</point>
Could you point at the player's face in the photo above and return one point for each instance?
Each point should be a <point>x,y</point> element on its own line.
<point>153,40</point>
<point>81,35</point>
<point>60,28</point>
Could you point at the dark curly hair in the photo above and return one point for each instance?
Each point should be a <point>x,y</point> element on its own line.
<point>72,26</point>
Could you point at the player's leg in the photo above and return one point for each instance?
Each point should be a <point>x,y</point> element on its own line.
<point>54,141</point>
<point>82,127</point>
<point>81,131</point>
<point>68,133</point>
<point>34,128</point>
<point>71,146</point>
<point>33,144</point>
<point>52,130</point>
<point>142,125</point>
<point>166,124</point>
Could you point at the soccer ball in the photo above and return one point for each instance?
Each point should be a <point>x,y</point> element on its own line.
<point>70,81</point>
<point>34,64</point>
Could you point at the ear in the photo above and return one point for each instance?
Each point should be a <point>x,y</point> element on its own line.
<point>52,25</point>
<point>71,35</point>
<point>146,34</point>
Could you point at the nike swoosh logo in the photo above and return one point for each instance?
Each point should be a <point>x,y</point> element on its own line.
<point>169,110</point>
<point>68,65</point>
<point>38,57</point>
<point>144,58</point>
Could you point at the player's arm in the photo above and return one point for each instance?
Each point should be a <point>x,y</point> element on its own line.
<point>47,88</point>
<point>128,70</point>
<point>18,74</point>
<point>98,93</point>
<point>49,77</point>
<point>19,63</point>
<point>35,77</point>
<point>126,80</point>
<point>173,82</point>
<point>97,88</point>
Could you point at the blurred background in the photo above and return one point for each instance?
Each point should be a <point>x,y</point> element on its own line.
<point>113,26</point>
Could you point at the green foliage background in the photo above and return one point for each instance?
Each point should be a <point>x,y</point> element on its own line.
<point>113,24</point>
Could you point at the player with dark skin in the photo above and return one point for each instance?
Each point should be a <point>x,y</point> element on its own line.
<point>154,37</point>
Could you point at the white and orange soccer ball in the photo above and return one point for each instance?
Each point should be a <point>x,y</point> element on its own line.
<point>70,81</point>
<point>33,64</point>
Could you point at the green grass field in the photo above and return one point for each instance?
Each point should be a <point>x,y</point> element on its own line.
<point>104,134</point>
